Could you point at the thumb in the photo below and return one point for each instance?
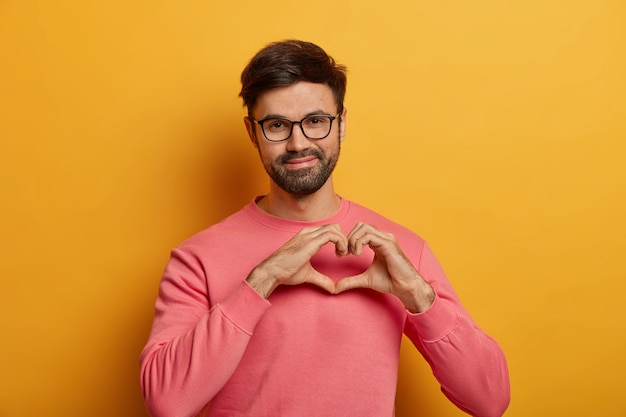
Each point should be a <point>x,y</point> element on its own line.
<point>320,280</point>
<point>350,283</point>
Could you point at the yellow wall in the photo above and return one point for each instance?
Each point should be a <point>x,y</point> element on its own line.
<point>495,129</point>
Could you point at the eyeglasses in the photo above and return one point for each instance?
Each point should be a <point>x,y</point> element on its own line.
<point>314,127</point>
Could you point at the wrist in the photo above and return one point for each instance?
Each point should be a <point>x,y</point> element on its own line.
<point>419,298</point>
<point>261,282</point>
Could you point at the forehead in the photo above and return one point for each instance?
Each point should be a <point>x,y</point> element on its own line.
<point>296,101</point>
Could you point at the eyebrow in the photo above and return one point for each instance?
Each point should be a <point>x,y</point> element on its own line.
<point>313,113</point>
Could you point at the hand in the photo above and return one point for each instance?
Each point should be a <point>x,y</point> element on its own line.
<point>391,272</point>
<point>291,263</point>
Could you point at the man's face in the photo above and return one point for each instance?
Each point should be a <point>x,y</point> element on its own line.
<point>298,165</point>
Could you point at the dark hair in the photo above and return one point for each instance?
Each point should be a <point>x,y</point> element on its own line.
<point>281,64</point>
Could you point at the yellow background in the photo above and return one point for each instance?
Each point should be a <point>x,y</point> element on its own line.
<point>495,129</point>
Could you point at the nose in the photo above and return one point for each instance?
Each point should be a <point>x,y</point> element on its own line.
<point>297,141</point>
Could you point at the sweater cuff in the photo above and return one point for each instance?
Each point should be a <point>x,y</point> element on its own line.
<point>435,323</point>
<point>244,307</point>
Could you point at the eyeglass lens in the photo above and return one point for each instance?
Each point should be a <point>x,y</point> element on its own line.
<point>313,127</point>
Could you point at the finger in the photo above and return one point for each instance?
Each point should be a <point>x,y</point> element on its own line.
<point>364,234</point>
<point>320,280</point>
<point>332,233</point>
<point>355,246</point>
<point>350,283</point>
<point>379,241</point>
<point>340,241</point>
<point>313,238</point>
<point>356,230</point>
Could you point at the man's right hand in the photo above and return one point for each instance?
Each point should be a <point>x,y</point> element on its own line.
<point>291,263</point>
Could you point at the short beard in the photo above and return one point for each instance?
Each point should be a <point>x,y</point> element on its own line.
<point>305,181</point>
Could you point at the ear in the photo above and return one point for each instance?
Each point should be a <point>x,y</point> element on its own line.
<point>342,125</point>
<point>250,128</point>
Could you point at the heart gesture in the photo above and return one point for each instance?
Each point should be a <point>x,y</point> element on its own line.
<point>391,272</point>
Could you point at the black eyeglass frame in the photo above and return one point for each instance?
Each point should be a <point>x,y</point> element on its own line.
<point>330,127</point>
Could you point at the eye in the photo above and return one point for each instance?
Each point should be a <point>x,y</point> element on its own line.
<point>316,121</point>
<point>276,124</point>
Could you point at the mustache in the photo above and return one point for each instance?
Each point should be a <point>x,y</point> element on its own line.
<point>302,154</point>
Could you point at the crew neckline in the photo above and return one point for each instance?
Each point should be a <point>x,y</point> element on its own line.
<point>280,223</point>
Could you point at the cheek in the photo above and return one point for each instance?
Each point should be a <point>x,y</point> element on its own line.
<point>268,155</point>
<point>331,148</point>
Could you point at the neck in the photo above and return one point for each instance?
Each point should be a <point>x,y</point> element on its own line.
<point>319,205</point>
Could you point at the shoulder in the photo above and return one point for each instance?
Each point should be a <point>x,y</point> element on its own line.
<point>234,227</point>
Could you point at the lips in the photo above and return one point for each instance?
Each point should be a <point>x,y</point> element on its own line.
<point>305,162</point>
<point>298,160</point>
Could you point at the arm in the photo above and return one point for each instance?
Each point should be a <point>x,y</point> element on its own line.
<point>469,365</point>
<point>193,349</point>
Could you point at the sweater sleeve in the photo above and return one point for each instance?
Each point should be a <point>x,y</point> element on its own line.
<point>468,364</point>
<point>194,348</point>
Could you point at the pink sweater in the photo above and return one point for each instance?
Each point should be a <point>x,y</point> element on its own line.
<point>303,352</point>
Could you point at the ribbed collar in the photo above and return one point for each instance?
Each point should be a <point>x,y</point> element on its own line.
<point>253,210</point>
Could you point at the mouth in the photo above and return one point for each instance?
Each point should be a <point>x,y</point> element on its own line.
<point>299,163</point>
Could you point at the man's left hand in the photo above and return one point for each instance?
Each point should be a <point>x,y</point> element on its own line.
<point>391,271</point>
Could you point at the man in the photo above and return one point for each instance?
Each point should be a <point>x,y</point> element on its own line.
<point>296,305</point>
